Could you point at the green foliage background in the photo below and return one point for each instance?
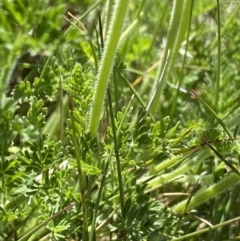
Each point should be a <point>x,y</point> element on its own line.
<point>163,173</point>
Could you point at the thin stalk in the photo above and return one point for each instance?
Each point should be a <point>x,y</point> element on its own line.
<point>61,108</point>
<point>81,177</point>
<point>135,93</point>
<point>232,199</point>
<point>162,76</point>
<point>116,95</point>
<point>214,215</point>
<point>157,28</point>
<point>208,108</point>
<point>108,218</point>
<point>115,140</point>
<point>218,56</point>
<point>226,25</point>
<point>91,9</point>
<point>45,67</point>
<point>93,225</point>
<point>142,11</point>
<point>186,237</point>
<point>3,186</point>
<point>184,210</point>
<point>44,223</point>
<point>83,16</point>
<point>88,38</point>
<point>233,168</point>
<point>25,222</point>
<point>106,64</point>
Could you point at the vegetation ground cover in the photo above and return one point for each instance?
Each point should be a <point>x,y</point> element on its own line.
<point>119,120</point>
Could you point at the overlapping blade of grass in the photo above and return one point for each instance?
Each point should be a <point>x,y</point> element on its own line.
<point>178,27</point>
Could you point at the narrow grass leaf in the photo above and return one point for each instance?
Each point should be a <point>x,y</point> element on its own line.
<point>212,112</point>
<point>220,156</point>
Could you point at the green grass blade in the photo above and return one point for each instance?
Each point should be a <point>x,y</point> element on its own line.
<point>218,56</point>
<point>156,91</point>
<point>115,140</point>
<point>205,230</point>
<point>232,199</point>
<point>178,27</point>
<point>106,64</point>
<point>226,25</point>
<point>207,107</point>
<point>135,93</point>
<point>221,157</point>
<point>183,64</point>
<point>207,193</point>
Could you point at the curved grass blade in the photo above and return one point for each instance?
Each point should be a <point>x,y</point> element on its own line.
<point>212,112</point>
<point>42,224</point>
<point>208,193</point>
<point>220,156</point>
<point>197,233</point>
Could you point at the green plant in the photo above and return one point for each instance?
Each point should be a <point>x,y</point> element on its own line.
<point>87,152</point>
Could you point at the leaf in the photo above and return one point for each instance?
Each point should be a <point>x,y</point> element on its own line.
<point>90,170</point>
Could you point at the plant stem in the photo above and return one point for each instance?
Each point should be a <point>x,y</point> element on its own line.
<point>61,105</point>
<point>3,187</point>
<point>106,64</point>
<point>93,225</point>
<point>186,237</point>
<point>218,57</point>
<point>81,177</point>
<point>115,140</point>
